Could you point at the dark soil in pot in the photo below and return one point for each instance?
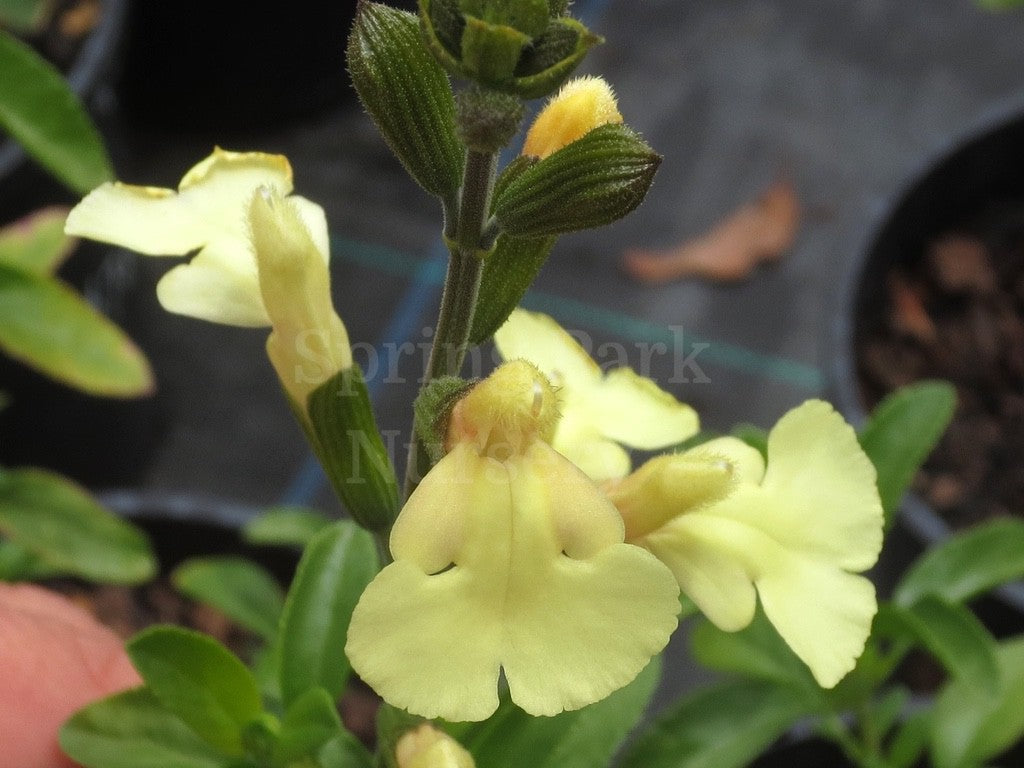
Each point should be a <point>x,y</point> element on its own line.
<point>940,294</point>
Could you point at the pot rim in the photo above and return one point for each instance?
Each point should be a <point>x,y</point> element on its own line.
<point>841,374</point>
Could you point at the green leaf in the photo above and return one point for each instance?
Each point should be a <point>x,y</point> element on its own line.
<point>36,243</point>
<point>407,94</point>
<point>68,531</point>
<point>1000,5</point>
<point>351,450</point>
<point>724,726</point>
<point>758,651</point>
<point>132,730</point>
<point>241,589</point>
<point>41,112</point>
<point>344,751</point>
<point>48,326</point>
<point>24,15</point>
<point>310,722</point>
<point>335,569</point>
<point>754,436</point>
<point>593,181</point>
<point>910,741</point>
<point>200,681</point>
<point>901,432</point>
<point>952,634</point>
<point>579,739</point>
<point>966,564</point>
<point>20,564</point>
<point>971,725</point>
<point>285,526</point>
<point>508,272</point>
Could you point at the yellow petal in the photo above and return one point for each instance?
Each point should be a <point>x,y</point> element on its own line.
<point>212,203</point>
<point>433,526</point>
<point>309,344</point>
<point>745,463</point>
<point>697,550</point>
<point>579,106</point>
<point>538,338</point>
<point>667,487</point>
<point>822,612</point>
<point>539,584</point>
<point>582,443</point>
<point>429,644</point>
<point>635,411</point>
<point>823,486</point>
<point>214,289</point>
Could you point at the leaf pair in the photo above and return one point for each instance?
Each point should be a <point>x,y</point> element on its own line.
<point>202,707</point>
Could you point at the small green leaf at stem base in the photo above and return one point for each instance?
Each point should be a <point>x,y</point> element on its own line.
<point>335,569</point>
<point>966,564</point>
<point>200,681</point>
<point>901,432</point>
<point>724,726</point>
<point>240,589</point>
<point>285,526</point>
<point>133,730</point>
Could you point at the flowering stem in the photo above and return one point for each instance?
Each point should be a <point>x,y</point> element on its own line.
<point>461,289</point>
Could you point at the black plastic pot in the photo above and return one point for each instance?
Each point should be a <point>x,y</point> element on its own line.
<point>24,186</point>
<point>986,166</point>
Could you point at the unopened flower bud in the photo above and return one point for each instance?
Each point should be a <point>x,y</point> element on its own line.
<point>579,107</point>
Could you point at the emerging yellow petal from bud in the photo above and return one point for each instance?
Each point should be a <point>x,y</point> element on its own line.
<point>430,747</point>
<point>795,533</point>
<point>579,107</point>
<point>309,343</point>
<point>598,411</point>
<point>507,557</point>
<point>208,214</point>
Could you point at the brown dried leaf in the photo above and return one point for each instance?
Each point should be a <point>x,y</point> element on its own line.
<point>760,231</point>
<point>908,313</point>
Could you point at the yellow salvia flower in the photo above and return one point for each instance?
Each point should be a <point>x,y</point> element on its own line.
<point>430,747</point>
<point>599,411</point>
<point>309,343</point>
<point>795,533</point>
<point>208,213</point>
<point>507,557</point>
<point>580,106</point>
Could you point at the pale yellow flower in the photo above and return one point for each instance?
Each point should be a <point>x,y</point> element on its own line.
<point>209,214</point>
<point>309,343</point>
<point>430,747</point>
<point>507,557</point>
<point>580,106</point>
<point>795,533</point>
<point>599,410</point>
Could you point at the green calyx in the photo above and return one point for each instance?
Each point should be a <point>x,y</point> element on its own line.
<point>524,47</point>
